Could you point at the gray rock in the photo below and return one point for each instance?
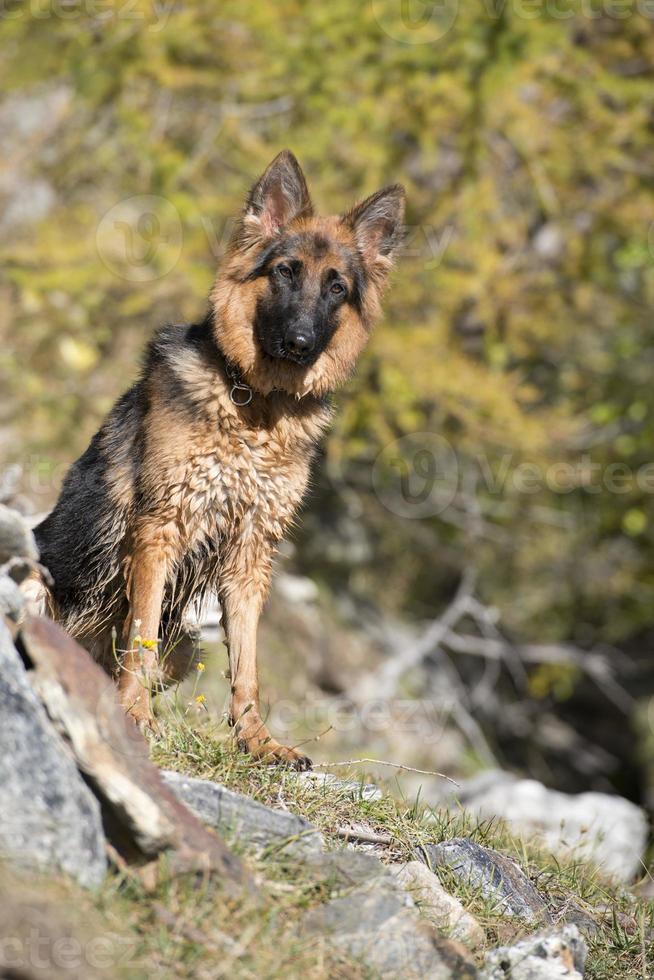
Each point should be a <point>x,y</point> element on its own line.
<point>441,909</point>
<point>32,201</point>
<point>353,788</point>
<point>556,955</point>
<point>549,242</point>
<point>608,830</point>
<point>574,915</point>
<point>497,877</point>
<point>10,478</point>
<point>49,818</point>
<point>25,115</point>
<point>11,599</point>
<point>378,924</point>
<point>16,538</point>
<point>297,589</point>
<point>143,817</point>
<point>27,124</point>
<point>345,868</point>
<point>257,825</point>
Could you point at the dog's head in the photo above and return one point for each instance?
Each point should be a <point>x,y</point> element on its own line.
<point>298,294</point>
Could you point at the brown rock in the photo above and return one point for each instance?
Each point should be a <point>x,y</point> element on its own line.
<point>143,817</point>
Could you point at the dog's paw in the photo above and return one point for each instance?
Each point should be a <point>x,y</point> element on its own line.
<point>285,756</point>
<point>138,708</point>
<point>148,726</point>
<point>273,753</point>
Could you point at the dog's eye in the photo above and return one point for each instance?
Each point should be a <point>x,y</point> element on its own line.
<point>337,289</point>
<point>285,271</point>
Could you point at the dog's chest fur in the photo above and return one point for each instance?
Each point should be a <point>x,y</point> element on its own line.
<point>238,480</point>
<point>221,470</point>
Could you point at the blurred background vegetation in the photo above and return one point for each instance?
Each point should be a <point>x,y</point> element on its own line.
<point>517,340</point>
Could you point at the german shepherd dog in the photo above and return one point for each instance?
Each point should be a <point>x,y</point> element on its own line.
<point>192,480</point>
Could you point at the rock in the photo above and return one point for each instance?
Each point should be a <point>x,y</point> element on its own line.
<point>10,477</point>
<point>27,124</point>
<point>574,914</point>
<point>351,787</point>
<point>498,878</point>
<point>11,599</point>
<point>16,538</point>
<point>49,818</point>
<point>345,868</point>
<point>441,909</point>
<point>297,588</point>
<point>143,817</point>
<point>546,956</point>
<point>608,830</point>
<point>378,924</point>
<point>209,622</point>
<point>549,242</point>
<point>33,201</point>
<point>47,932</point>
<point>233,813</point>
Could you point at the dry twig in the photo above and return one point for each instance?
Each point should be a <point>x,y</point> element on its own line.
<point>383,762</point>
<point>364,836</point>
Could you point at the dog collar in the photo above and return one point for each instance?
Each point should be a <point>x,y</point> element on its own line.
<point>240,393</point>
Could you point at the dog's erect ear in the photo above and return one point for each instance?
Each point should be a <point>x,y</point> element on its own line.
<point>378,226</point>
<point>280,195</point>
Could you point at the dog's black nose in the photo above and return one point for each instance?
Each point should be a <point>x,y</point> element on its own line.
<point>299,341</point>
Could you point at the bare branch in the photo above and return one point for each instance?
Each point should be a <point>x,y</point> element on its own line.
<point>595,664</point>
<point>365,836</point>
<point>382,683</point>
<point>382,762</point>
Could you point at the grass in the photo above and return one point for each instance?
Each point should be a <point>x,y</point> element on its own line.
<point>192,929</point>
<point>623,941</point>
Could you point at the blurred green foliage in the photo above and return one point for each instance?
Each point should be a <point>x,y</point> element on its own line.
<point>518,325</point>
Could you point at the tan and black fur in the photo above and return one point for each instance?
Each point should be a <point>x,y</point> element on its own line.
<point>194,477</point>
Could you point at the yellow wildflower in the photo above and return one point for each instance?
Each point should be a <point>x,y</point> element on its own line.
<point>148,644</point>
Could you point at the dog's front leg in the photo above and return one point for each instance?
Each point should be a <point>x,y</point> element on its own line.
<point>245,579</point>
<point>146,581</point>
